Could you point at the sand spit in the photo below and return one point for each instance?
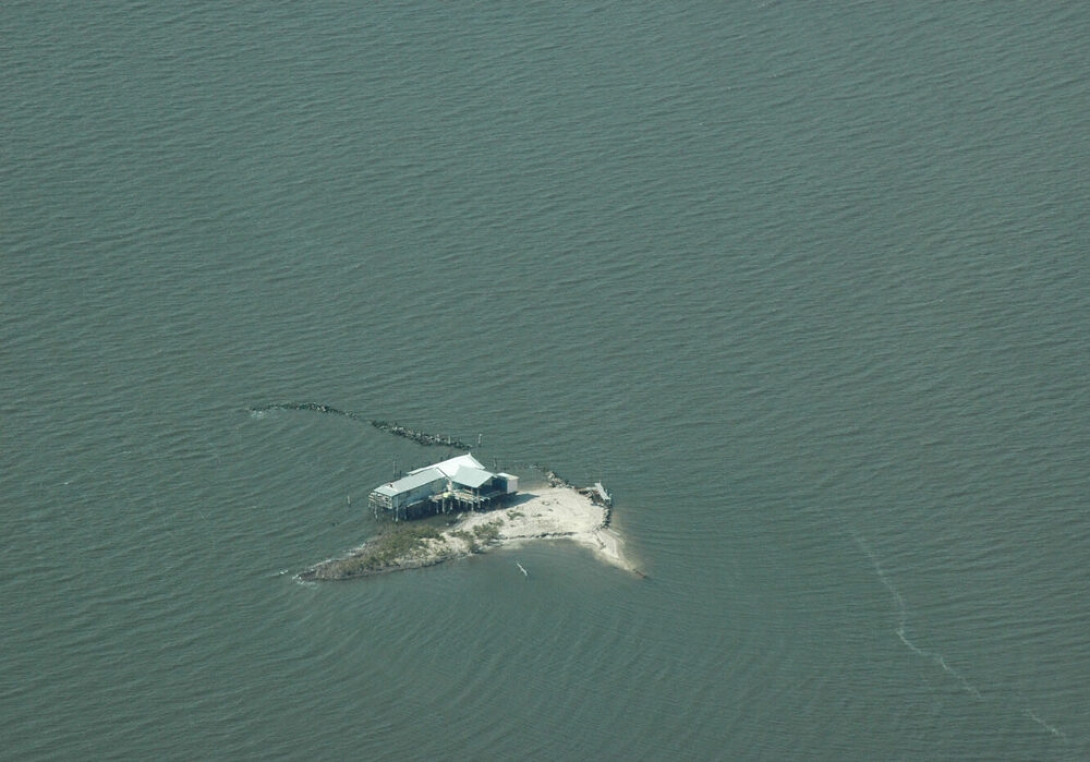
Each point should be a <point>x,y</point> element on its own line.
<point>546,513</point>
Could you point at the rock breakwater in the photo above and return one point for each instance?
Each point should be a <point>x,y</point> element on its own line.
<point>420,437</point>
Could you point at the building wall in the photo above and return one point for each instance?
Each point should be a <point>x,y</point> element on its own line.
<point>509,483</point>
<point>422,492</point>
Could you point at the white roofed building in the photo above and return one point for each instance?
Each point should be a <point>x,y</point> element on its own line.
<point>455,484</point>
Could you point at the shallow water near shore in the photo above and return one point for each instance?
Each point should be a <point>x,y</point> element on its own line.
<point>806,288</point>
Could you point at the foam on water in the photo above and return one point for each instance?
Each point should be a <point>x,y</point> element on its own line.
<point>902,631</point>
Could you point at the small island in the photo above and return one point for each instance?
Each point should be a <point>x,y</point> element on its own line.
<point>489,511</point>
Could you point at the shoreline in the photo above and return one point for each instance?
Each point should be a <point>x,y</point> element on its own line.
<point>545,513</point>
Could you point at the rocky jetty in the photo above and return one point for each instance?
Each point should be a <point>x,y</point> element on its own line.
<point>420,437</point>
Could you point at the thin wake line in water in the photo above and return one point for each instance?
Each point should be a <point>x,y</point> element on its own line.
<point>1050,728</point>
<point>902,622</point>
<point>932,656</point>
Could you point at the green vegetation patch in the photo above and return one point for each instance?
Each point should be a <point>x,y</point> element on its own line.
<point>468,539</point>
<point>488,533</point>
<point>399,546</point>
<point>385,550</point>
<point>482,534</point>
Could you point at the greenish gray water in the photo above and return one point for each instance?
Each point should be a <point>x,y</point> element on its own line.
<point>806,287</point>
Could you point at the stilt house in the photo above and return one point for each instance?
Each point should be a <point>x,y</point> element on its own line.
<point>460,483</point>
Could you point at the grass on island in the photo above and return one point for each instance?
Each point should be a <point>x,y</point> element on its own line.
<point>396,546</point>
<point>485,534</point>
<point>387,549</point>
<point>488,533</point>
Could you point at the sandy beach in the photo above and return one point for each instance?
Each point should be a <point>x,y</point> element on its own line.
<point>555,513</point>
<point>544,513</point>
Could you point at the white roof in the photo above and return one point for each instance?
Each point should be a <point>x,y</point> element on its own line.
<point>417,478</point>
<point>450,467</point>
<point>465,470</point>
<point>471,477</point>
